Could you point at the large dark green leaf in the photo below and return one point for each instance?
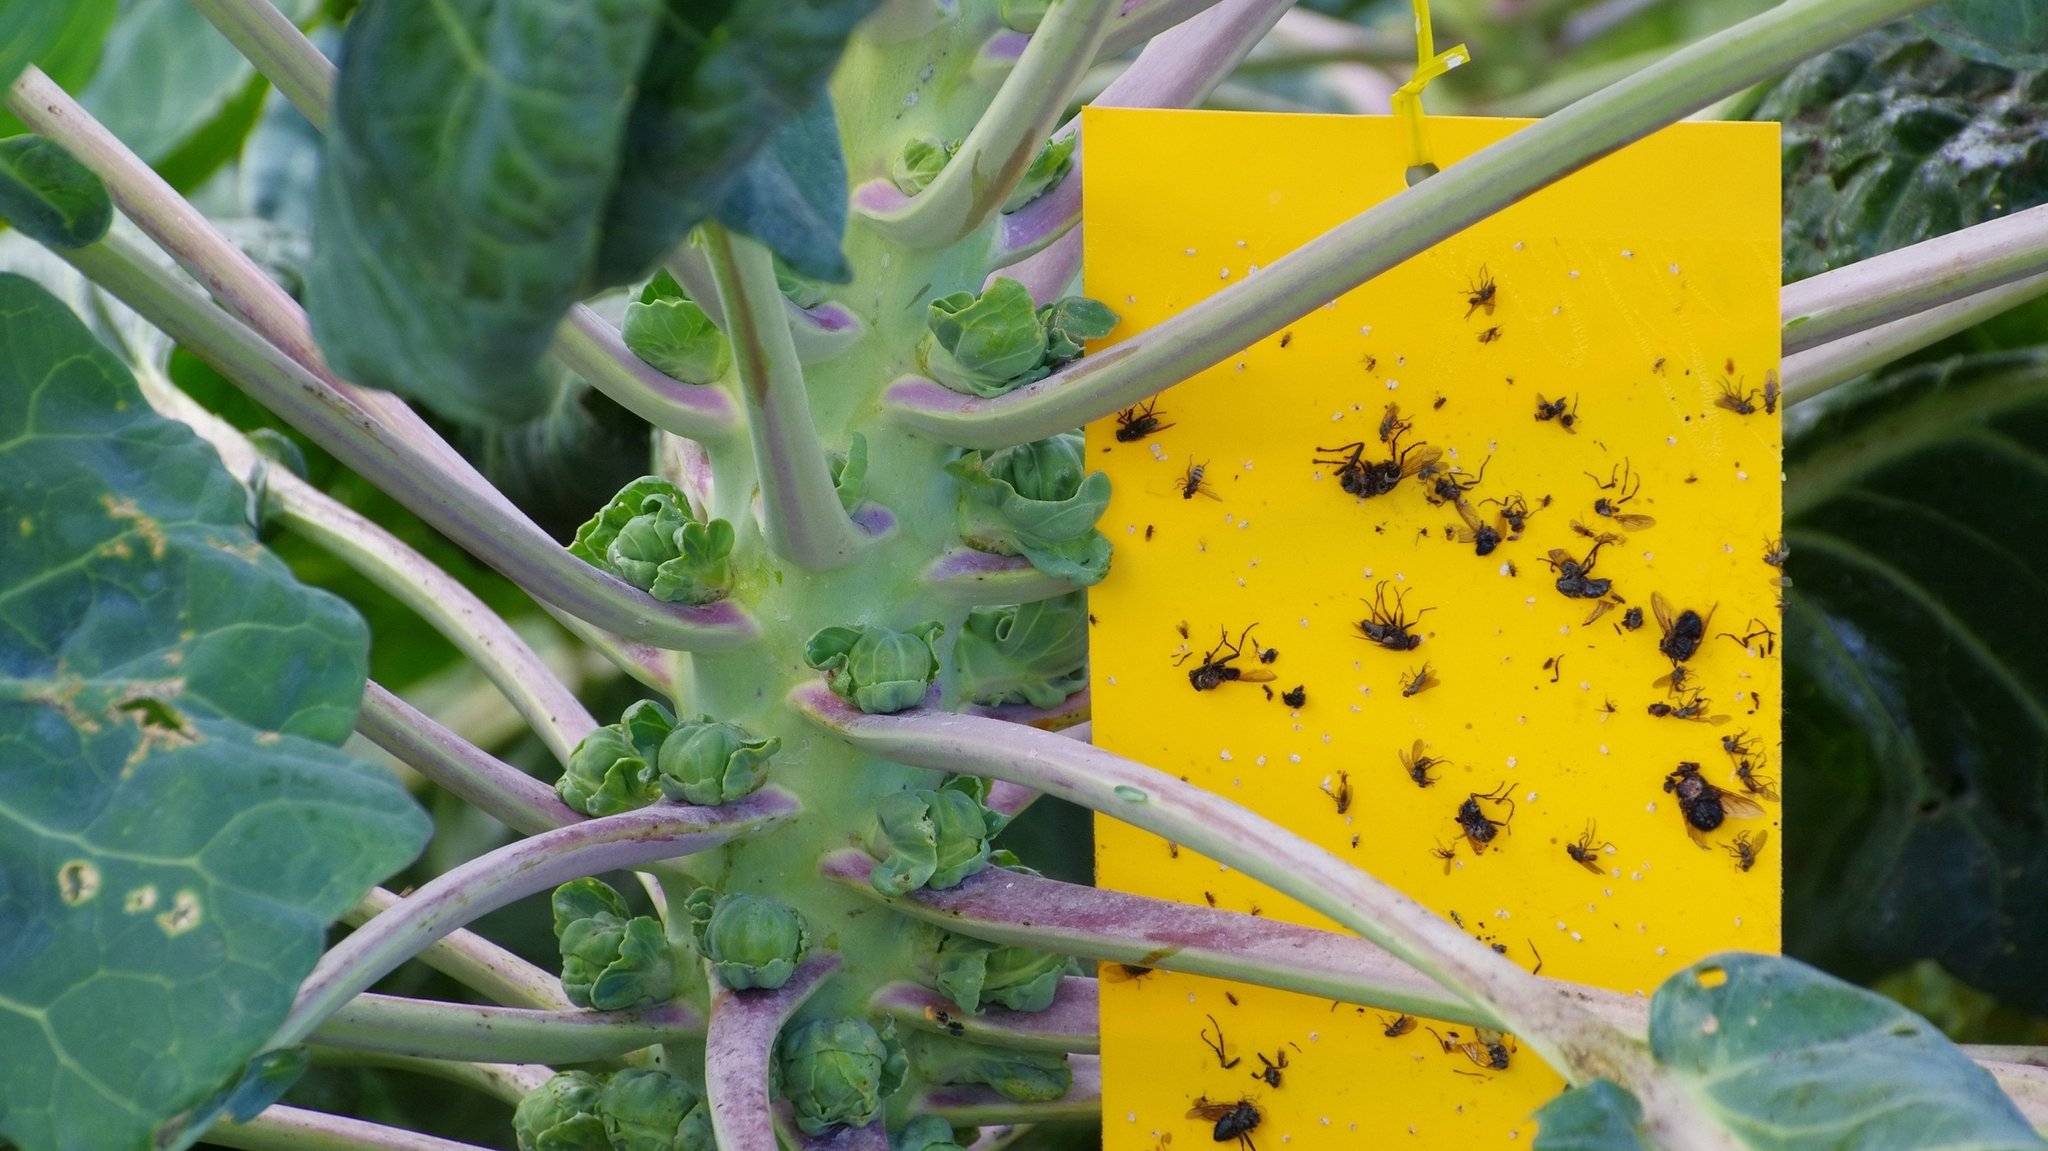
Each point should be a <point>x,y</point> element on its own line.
<point>49,195</point>
<point>1917,674</point>
<point>63,39</point>
<point>1788,1058</point>
<point>472,148</point>
<point>792,196</point>
<point>177,827</point>
<point>2013,32</point>
<point>1892,139</point>
<point>724,76</point>
<point>1597,1117</point>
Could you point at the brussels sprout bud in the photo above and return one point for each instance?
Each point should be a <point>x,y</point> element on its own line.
<point>606,775</point>
<point>613,769</point>
<point>920,162</point>
<point>708,762</point>
<point>986,344</point>
<point>839,1071</point>
<point>928,838</point>
<point>668,330</point>
<point>849,471</point>
<point>752,941</point>
<point>930,1133</point>
<point>610,961</point>
<point>1025,1076</point>
<point>648,537</point>
<point>877,669</point>
<point>1046,169</point>
<point>1068,322</point>
<point>974,973</point>
<point>654,1111</point>
<point>1035,653</point>
<point>1037,500</point>
<point>562,1115</point>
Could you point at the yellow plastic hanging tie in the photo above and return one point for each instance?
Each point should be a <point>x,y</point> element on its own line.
<point>1407,100</point>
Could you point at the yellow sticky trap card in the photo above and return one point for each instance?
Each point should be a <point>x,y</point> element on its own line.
<point>1497,528</point>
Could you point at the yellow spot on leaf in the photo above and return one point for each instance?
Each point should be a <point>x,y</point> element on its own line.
<point>142,525</point>
<point>78,881</point>
<point>183,915</point>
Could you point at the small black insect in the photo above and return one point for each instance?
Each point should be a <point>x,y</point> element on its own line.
<point>1694,708</point>
<point>1515,513</point>
<point>1124,972</point>
<point>1448,854</point>
<point>1389,626</point>
<point>1749,765</point>
<point>1210,896</point>
<point>1450,487</point>
<point>1683,631</point>
<point>1340,794</point>
<point>1586,852</point>
<point>1658,366</point>
<point>1417,765</point>
<point>1418,681</point>
<point>1149,529</point>
<point>1216,1044</point>
<point>1269,654</point>
<point>1287,337</point>
<point>1272,1070</point>
<point>1674,681</point>
<point>1490,335</point>
<point>1566,415</point>
<point>1771,392</point>
<point>1483,536</point>
<point>1368,478</point>
<point>1138,421</point>
<point>1704,805</point>
<point>1441,400</point>
<point>1747,846</point>
<point>1489,1051</point>
<point>1391,423</point>
<point>1480,293</point>
<point>1191,485</point>
<point>1231,996</point>
<point>1295,696</point>
<point>1218,669</point>
<point>1624,484</point>
<point>1233,1120</point>
<point>1759,635</point>
<point>1775,554</point>
<point>1741,402</point>
<point>1632,618</point>
<point>946,1020</point>
<point>1574,576</point>
<point>1182,628</point>
<point>1398,1026</point>
<point>1476,828</point>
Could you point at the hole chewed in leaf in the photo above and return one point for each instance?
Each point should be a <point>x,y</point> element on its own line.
<point>183,916</point>
<point>78,881</point>
<point>1711,976</point>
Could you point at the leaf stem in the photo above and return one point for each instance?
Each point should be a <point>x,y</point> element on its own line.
<point>507,1082</point>
<point>481,521</point>
<point>534,690</point>
<point>512,872</point>
<point>975,1105</point>
<point>646,664</point>
<point>1570,1038</point>
<point>1140,20</point>
<point>1068,1025</point>
<point>739,1046</point>
<point>1116,927</point>
<point>281,1128</point>
<point>1913,279</point>
<point>967,578</point>
<point>594,350</point>
<point>800,512</point>
<point>1816,370</point>
<point>426,1029</point>
<point>1391,232</point>
<point>269,40</point>
<point>472,774</point>
<point>474,962</point>
<point>971,188</point>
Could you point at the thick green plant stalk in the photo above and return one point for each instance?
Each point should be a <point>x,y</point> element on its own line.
<point>833,595</point>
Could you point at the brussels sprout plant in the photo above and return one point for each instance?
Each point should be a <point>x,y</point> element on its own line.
<point>816,266</point>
